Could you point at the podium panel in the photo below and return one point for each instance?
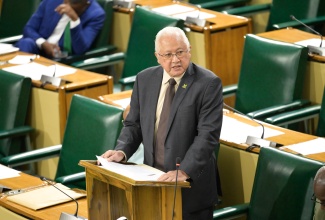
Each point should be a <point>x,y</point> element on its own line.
<point>111,195</point>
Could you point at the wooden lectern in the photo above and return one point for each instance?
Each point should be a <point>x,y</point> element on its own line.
<point>111,195</point>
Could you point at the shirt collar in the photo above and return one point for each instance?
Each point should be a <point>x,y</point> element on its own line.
<point>166,77</point>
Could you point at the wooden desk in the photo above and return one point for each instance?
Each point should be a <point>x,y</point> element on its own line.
<point>315,76</point>
<point>237,166</point>
<point>50,105</point>
<point>218,46</point>
<point>50,213</point>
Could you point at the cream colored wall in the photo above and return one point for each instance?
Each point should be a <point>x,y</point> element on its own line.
<point>260,19</point>
<point>237,171</point>
<point>45,119</point>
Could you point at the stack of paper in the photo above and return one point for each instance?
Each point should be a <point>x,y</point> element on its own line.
<point>45,196</point>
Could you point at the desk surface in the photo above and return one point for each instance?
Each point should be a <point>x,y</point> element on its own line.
<point>79,79</point>
<point>288,137</point>
<point>54,212</point>
<point>291,35</point>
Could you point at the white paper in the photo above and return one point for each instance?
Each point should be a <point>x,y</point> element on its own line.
<point>172,9</point>
<point>311,42</point>
<point>6,172</point>
<point>7,48</point>
<point>35,70</point>
<point>136,172</point>
<point>309,147</point>
<point>22,59</point>
<point>236,132</point>
<point>196,14</point>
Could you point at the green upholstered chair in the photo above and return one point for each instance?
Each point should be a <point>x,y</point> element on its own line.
<point>310,12</point>
<point>15,93</point>
<point>92,128</point>
<point>13,17</point>
<point>141,48</point>
<point>303,114</point>
<point>282,188</point>
<point>219,5</point>
<point>101,44</point>
<point>271,77</point>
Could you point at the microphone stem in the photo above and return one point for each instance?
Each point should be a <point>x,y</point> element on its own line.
<point>44,179</point>
<point>234,110</point>
<point>175,191</point>
<point>321,36</point>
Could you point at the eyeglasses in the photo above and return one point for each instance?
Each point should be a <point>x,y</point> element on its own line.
<point>315,200</point>
<point>178,54</point>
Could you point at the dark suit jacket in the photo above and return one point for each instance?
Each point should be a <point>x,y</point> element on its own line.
<point>193,129</point>
<point>45,19</point>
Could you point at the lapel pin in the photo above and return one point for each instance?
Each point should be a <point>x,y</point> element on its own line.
<point>184,86</point>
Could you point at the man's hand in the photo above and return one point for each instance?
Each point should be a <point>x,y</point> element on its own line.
<point>68,10</point>
<point>113,155</point>
<point>50,49</point>
<point>171,176</point>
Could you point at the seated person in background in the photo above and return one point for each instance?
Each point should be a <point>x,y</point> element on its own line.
<point>45,33</point>
<point>319,194</point>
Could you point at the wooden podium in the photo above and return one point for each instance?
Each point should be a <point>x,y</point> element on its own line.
<point>111,195</point>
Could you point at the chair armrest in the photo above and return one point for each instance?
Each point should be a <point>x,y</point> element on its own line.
<point>294,116</point>
<point>101,51</point>
<point>68,179</point>
<point>127,80</point>
<point>19,131</point>
<point>295,24</point>
<point>229,90</point>
<point>231,212</point>
<point>31,156</point>
<point>10,40</point>
<point>102,61</point>
<point>248,10</point>
<point>277,109</point>
<point>220,3</point>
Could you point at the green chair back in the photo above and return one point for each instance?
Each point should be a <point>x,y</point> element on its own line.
<point>321,120</point>
<point>14,15</point>
<point>283,186</point>
<point>14,101</point>
<point>92,128</point>
<point>272,73</point>
<point>141,48</point>
<point>104,35</point>
<point>281,10</point>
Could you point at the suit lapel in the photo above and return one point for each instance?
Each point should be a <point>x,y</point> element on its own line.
<point>183,87</point>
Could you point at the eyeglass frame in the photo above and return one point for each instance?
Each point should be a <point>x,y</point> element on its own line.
<point>313,198</point>
<point>174,54</point>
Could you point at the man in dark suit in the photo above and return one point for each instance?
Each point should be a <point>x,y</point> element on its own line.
<point>45,31</point>
<point>193,126</point>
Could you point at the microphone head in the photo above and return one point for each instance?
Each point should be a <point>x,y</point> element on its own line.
<point>292,17</point>
<point>178,161</point>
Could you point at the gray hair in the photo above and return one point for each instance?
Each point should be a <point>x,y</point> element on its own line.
<point>171,31</point>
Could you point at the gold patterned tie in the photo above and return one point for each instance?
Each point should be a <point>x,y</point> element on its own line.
<point>162,127</point>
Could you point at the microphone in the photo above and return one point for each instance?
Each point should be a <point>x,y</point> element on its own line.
<point>254,141</point>
<point>45,79</point>
<point>313,49</point>
<point>178,163</point>
<point>65,216</point>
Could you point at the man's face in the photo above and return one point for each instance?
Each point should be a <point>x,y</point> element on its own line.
<point>175,65</point>
<point>79,8</point>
